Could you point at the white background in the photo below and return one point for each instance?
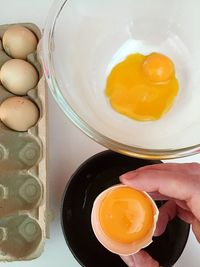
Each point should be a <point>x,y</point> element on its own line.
<point>68,147</point>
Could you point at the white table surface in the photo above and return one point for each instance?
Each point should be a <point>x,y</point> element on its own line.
<point>68,147</point>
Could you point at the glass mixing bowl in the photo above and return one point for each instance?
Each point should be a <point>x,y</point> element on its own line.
<point>84,39</point>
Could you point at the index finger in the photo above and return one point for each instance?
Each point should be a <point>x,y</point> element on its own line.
<point>190,168</point>
<point>175,185</point>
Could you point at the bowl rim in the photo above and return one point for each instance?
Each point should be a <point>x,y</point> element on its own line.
<point>49,71</point>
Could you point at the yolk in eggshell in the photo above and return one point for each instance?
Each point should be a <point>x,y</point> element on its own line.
<point>143,87</point>
<point>126,215</point>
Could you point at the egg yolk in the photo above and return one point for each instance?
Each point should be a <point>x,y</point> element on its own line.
<point>158,68</point>
<point>143,87</point>
<point>126,215</point>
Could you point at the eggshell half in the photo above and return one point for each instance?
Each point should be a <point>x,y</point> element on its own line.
<point>113,246</point>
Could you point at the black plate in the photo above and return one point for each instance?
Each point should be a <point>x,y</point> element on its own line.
<point>95,175</point>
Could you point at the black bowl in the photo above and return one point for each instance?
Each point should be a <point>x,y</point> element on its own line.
<point>94,176</point>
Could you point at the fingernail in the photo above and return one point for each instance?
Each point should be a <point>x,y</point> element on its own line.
<point>128,176</point>
<point>156,233</point>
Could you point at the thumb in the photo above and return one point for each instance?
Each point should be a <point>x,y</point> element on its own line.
<point>143,259</point>
<point>140,259</point>
<point>196,229</point>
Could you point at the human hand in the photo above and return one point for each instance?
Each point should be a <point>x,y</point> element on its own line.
<point>177,183</point>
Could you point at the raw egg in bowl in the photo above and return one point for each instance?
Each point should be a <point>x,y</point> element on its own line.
<point>143,87</point>
<point>124,219</point>
<point>148,51</point>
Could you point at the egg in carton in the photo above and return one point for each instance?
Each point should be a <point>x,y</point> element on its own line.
<point>23,187</point>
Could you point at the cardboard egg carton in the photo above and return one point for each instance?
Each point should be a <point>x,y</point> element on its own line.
<point>23,164</point>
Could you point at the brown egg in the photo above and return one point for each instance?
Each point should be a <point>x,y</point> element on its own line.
<point>124,219</point>
<point>19,113</point>
<point>18,76</point>
<point>19,42</point>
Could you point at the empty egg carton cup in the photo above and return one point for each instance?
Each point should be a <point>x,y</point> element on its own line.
<point>23,190</point>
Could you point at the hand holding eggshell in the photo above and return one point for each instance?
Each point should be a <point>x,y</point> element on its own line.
<point>180,185</point>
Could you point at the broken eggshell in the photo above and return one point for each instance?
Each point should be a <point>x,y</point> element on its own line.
<point>107,242</point>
